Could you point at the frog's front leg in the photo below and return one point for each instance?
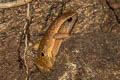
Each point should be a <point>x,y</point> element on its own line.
<point>60,36</point>
<point>36,45</point>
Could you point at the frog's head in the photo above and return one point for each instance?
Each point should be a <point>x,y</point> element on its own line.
<point>43,62</point>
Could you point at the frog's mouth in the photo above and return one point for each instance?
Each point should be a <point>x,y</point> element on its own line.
<point>43,69</point>
<point>43,65</point>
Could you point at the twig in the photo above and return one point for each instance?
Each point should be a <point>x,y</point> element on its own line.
<point>14,3</point>
<point>113,11</point>
<point>19,51</point>
<point>55,6</point>
<point>26,32</point>
<point>25,50</point>
<point>63,6</point>
<point>48,16</point>
<point>116,5</point>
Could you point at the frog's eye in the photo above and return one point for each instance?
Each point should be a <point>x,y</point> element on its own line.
<point>42,54</point>
<point>70,19</point>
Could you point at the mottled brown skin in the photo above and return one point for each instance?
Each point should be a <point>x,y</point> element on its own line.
<point>49,45</point>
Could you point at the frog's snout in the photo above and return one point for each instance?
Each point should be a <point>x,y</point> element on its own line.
<point>43,65</point>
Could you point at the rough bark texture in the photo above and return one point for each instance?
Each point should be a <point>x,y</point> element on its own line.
<point>93,53</point>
